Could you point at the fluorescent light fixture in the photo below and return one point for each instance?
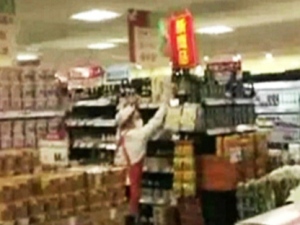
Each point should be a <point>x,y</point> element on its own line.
<point>102,46</point>
<point>118,40</point>
<point>215,30</point>
<point>269,56</point>
<point>206,58</point>
<point>23,57</point>
<point>95,15</point>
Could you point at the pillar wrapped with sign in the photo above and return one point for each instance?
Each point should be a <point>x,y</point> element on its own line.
<point>184,53</point>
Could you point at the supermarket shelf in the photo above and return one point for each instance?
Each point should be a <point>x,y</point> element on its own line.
<point>158,172</point>
<point>275,110</point>
<point>91,123</point>
<point>149,106</point>
<point>227,101</point>
<point>94,145</point>
<point>25,114</point>
<point>107,103</point>
<point>151,202</point>
<point>244,101</point>
<point>217,101</point>
<point>228,130</point>
<point>94,103</point>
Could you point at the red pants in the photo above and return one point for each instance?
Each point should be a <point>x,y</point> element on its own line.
<point>135,176</point>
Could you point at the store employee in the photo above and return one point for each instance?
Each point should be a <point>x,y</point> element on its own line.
<point>132,138</point>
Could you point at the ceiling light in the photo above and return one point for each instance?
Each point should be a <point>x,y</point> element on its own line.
<point>269,56</point>
<point>206,58</point>
<point>95,15</point>
<point>27,57</point>
<point>102,46</point>
<point>215,30</point>
<point>118,40</point>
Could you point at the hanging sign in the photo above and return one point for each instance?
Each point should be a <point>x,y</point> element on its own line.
<point>144,38</point>
<point>224,67</point>
<point>7,27</point>
<point>85,77</point>
<point>182,41</point>
<point>118,72</point>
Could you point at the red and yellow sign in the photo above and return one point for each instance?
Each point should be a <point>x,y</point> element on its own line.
<point>182,41</point>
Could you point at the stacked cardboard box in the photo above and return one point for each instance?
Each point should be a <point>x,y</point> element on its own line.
<point>184,183</point>
<point>28,89</point>
<point>16,162</point>
<point>45,197</point>
<point>25,133</point>
<point>238,158</point>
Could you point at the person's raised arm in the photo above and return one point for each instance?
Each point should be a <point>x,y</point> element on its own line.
<point>157,120</point>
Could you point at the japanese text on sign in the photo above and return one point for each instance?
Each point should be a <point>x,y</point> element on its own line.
<point>182,41</point>
<point>147,43</point>
<point>181,38</point>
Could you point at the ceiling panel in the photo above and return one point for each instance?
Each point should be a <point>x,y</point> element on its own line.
<point>270,25</point>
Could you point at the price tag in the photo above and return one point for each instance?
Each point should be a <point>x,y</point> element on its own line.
<point>111,146</point>
<point>81,123</point>
<point>101,146</point>
<point>82,145</point>
<point>174,102</point>
<point>152,105</point>
<point>54,152</point>
<point>90,145</point>
<point>235,155</point>
<point>143,106</point>
<point>72,221</point>
<point>113,213</point>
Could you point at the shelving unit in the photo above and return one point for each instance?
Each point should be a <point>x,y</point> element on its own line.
<point>92,130</point>
<point>157,181</point>
<point>224,111</point>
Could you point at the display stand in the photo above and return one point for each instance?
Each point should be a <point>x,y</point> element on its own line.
<point>226,118</point>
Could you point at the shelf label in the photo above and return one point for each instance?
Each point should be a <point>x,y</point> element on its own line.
<point>54,152</point>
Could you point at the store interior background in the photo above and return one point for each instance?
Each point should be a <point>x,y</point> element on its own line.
<point>260,27</point>
<point>265,37</point>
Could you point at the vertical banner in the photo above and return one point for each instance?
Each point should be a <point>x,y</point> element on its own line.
<point>184,52</point>
<point>7,27</point>
<point>144,38</point>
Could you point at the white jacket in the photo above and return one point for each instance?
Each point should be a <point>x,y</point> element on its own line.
<point>136,139</point>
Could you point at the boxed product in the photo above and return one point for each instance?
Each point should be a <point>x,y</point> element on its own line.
<point>41,128</point>
<point>4,103</point>
<point>188,117</point>
<point>173,117</point>
<point>27,76</point>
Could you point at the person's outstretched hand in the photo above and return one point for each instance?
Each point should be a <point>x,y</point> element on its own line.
<point>168,89</point>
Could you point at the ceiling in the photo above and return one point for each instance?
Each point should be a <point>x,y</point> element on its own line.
<point>260,26</point>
